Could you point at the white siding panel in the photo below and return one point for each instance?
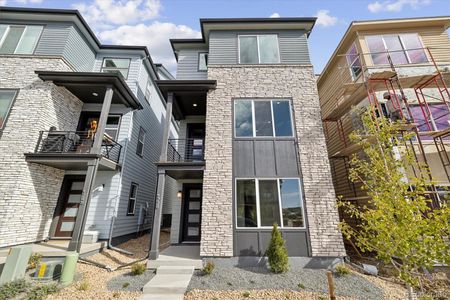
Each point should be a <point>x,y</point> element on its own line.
<point>53,39</point>
<point>187,67</point>
<point>78,51</point>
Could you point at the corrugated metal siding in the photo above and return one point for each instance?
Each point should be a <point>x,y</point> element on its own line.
<point>78,51</point>
<point>53,39</point>
<point>187,67</point>
<point>223,46</point>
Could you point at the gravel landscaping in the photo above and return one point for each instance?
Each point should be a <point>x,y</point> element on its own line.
<point>226,278</point>
<point>129,282</point>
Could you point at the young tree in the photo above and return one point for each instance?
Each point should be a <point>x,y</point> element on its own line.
<point>277,253</point>
<point>397,223</point>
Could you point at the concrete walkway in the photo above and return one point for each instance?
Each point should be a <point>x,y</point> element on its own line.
<point>174,269</point>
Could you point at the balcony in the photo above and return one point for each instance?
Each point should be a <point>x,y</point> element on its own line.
<point>71,150</point>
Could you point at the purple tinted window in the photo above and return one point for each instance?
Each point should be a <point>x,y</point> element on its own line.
<point>377,49</point>
<point>395,49</point>
<point>439,112</point>
<point>353,61</point>
<point>412,41</point>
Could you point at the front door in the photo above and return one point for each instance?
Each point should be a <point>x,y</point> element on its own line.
<point>70,198</point>
<point>196,139</point>
<point>192,212</point>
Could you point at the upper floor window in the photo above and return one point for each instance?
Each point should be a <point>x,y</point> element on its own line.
<point>140,142</point>
<point>203,61</point>
<point>112,126</point>
<point>258,49</point>
<point>6,99</point>
<point>262,118</point>
<point>19,39</point>
<point>402,48</point>
<point>148,90</point>
<point>263,202</point>
<point>132,198</point>
<point>354,61</point>
<point>114,65</point>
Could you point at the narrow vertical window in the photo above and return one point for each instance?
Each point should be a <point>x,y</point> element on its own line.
<point>248,50</point>
<point>6,100</point>
<point>263,118</point>
<point>282,118</point>
<point>131,208</point>
<point>243,119</point>
<point>268,49</point>
<point>203,61</point>
<point>140,142</point>
<point>354,61</point>
<point>269,204</point>
<point>291,203</point>
<point>246,203</point>
<point>148,90</point>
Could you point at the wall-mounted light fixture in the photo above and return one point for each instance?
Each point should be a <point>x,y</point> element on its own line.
<point>179,194</point>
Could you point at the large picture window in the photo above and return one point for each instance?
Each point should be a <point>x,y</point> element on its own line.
<point>19,39</point>
<point>263,202</point>
<point>258,49</point>
<point>262,118</point>
<point>402,48</point>
<point>6,100</point>
<point>114,65</point>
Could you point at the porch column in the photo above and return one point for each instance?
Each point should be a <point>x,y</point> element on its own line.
<point>78,230</point>
<point>154,247</point>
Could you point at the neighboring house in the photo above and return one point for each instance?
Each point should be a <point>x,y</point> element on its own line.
<point>381,60</point>
<point>80,122</point>
<point>163,73</point>
<point>251,150</point>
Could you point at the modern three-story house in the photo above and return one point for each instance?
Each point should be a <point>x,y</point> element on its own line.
<point>81,124</point>
<point>251,149</point>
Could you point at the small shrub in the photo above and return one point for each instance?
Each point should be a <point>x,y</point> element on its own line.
<point>277,253</point>
<point>301,286</point>
<point>125,285</point>
<point>83,286</point>
<point>341,270</point>
<point>252,281</point>
<point>426,297</point>
<point>229,284</point>
<point>116,295</point>
<point>12,289</point>
<point>323,298</point>
<point>41,292</point>
<point>138,269</point>
<point>246,294</point>
<point>34,260</point>
<point>208,268</point>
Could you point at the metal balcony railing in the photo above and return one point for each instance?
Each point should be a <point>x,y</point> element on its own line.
<point>186,150</point>
<point>76,142</point>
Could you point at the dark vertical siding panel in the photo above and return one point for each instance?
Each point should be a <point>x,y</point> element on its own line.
<point>53,39</point>
<point>264,159</point>
<point>244,160</point>
<point>286,158</point>
<point>187,67</point>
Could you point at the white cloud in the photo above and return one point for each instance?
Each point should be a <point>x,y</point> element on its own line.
<point>29,1</point>
<point>325,19</point>
<point>2,2</point>
<point>275,15</point>
<point>395,6</point>
<point>105,13</point>
<point>155,36</point>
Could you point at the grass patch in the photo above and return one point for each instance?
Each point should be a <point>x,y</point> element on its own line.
<point>42,291</point>
<point>26,290</point>
<point>301,286</point>
<point>12,289</point>
<point>246,294</point>
<point>83,286</point>
<point>125,285</point>
<point>138,269</point>
<point>341,270</point>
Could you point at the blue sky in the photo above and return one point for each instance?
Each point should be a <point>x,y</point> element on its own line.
<point>153,22</point>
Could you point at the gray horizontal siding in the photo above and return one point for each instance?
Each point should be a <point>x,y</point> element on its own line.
<point>187,67</point>
<point>53,39</point>
<point>78,51</point>
<point>223,46</point>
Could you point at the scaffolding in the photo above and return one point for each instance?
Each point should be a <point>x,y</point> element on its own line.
<point>387,79</point>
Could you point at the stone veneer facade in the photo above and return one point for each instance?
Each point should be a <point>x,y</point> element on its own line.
<point>29,191</point>
<point>287,81</point>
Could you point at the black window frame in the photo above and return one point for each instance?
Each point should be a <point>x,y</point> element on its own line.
<point>117,69</point>
<point>140,150</point>
<point>132,199</point>
<point>8,112</point>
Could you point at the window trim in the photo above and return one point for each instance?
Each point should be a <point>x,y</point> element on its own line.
<point>254,136</point>
<point>8,111</point>
<point>112,57</point>
<point>198,62</point>
<point>118,125</point>
<point>141,129</point>
<point>258,212</point>
<point>258,50</point>
<point>135,199</point>
<point>350,65</point>
<point>2,39</point>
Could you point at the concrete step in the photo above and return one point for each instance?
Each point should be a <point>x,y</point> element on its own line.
<point>162,297</point>
<point>154,264</point>
<point>168,284</point>
<point>175,270</point>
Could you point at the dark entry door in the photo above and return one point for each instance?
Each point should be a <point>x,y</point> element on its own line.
<point>196,138</point>
<point>192,212</point>
<point>70,198</point>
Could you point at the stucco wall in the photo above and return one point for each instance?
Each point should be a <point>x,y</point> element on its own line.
<point>28,191</point>
<point>290,81</point>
